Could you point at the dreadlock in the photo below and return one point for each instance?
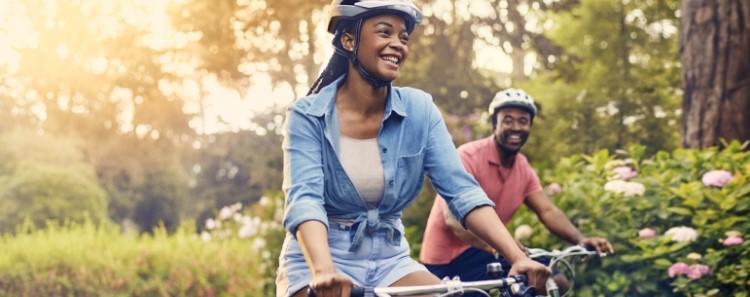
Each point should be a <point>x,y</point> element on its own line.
<point>336,67</point>
<point>339,62</point>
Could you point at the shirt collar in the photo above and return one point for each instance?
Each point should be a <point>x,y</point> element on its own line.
<point>493,157</point>
<point>322,104</point>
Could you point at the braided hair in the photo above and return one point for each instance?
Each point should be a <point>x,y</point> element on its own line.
<point>338,63</point>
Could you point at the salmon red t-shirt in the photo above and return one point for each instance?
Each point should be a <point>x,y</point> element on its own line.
<point>507,187</point>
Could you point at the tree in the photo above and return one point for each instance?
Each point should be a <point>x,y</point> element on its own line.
<point>45,185</point>
<point>616,82</point>
<point>715,53</point>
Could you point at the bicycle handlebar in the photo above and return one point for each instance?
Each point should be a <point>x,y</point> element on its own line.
<point>573,250</point>
<point>557,256</point>
<point>516,284</point>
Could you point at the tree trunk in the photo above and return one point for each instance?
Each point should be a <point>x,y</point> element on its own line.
<point>715,54</point>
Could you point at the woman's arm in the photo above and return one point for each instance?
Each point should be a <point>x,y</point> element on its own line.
<point>313,240</point>
<point>483,222</point>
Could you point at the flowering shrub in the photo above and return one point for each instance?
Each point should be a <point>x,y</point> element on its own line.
<point>90,260</point>
<point>700,197</point>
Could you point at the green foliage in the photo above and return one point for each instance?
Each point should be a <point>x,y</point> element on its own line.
<point>674,196</point>
<point>86,260</point>
<point>617,82</point>
<point>161,202</point>
<point>45,185</point>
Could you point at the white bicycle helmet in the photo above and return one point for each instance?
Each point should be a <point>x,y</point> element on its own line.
<point>513,98</point>
<point>353,9</point>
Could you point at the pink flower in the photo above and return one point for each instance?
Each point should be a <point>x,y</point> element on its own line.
<point>703,269</point>
<point>678,269</point>
<point>697,271</point>
<point>625,172</point>
<point>646,233</point>
<point>554,188</point>
<point>694,271</point>
<point>733,241</point>
<point>716,178</point>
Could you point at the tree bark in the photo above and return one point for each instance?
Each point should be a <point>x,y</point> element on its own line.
<point>715,55</point>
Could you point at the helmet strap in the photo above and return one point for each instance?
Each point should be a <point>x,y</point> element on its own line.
<point>352,56</point>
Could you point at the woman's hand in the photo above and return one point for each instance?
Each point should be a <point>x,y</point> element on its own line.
<point>331,285</point>
<point>537,273</point>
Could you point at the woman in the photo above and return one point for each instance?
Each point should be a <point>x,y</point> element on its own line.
<point>355,151</point>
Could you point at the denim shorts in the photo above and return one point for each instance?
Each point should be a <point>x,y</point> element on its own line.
<point>375,263</point>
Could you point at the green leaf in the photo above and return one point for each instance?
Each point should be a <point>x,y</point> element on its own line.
<point>680,210</point>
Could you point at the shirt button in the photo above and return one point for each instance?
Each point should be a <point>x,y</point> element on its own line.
<point>390,182</point>
<point>385,150</point>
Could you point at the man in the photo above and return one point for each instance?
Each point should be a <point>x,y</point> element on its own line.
<point>508,179</point>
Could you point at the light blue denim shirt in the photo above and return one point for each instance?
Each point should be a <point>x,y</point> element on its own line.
<point>413,140</point>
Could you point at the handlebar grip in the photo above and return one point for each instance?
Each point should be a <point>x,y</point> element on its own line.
<point>522,278</point>
<point>588,247</point>
<point>356,292</point>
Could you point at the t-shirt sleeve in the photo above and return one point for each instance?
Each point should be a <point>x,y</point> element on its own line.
<point>534,185</point>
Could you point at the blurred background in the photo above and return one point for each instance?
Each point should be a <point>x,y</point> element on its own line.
<point>152,116</point>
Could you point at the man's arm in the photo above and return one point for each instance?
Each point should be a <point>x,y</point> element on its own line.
<point>558,223</point>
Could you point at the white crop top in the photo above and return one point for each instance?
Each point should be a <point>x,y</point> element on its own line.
<point>361,161</point>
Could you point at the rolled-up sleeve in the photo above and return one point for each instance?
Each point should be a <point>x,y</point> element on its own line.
<point>303,171</point>
<point>460,190</point>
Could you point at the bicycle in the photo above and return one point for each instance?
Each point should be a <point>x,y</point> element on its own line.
<point>576,252</point>
<point>514,286</point>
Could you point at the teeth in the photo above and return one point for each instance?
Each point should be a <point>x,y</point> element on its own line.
<point>393,60</point>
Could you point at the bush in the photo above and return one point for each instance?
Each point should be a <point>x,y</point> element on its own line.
<point>678,207</point>
<point>87,260</point>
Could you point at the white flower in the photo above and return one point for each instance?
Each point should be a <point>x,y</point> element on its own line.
<point>625,188</point>
<point>523,232</point>
<point>236,207</point>
<point>258,244</point>
<point>225,213</point>
<point>205,236</point>
<point>264,201</point>
<point>246,231</point>
<point>212,224</point>
<point>682,234</point>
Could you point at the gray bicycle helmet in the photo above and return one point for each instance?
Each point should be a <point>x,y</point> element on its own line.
<point>513,98</point>
<point>353,9</point>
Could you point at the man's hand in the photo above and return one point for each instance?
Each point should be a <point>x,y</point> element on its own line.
<point>601,245</point>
